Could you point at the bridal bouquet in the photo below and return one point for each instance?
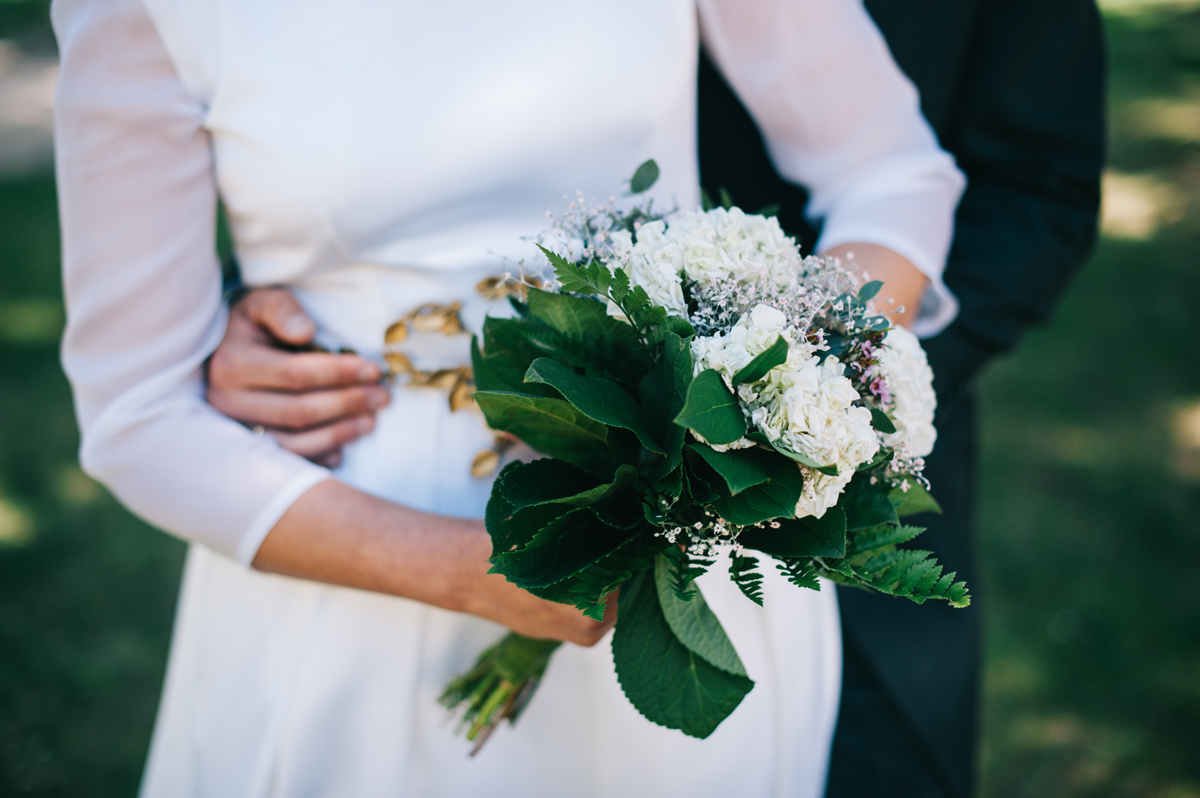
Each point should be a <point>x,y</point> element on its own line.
<point>702,393</point>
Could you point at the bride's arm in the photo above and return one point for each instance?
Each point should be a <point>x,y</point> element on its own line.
<point>841,119</point>
<point>137,198</point>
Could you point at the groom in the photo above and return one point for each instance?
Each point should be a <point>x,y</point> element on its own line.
<point>1015,90</point>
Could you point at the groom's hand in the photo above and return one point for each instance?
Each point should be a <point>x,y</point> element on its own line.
<point>311,402</point>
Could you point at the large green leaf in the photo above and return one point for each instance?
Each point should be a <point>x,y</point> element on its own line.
<point>565,546</point>
<point>578,317</point>
<point>588,588</point>
<point>801,537</point>
<point>775,498</point>
<point>666,681</point>
<point>551,426</point>
<point>757,368</point>
<point>867,505</point>
<point>914,500</point>
<point>740,468</point>
<point>529,496</point>
<point>542,480</point>
<point>803,459</point>
<point>502,359</point>
<point>582,333</point>
<point>711,410</point>
<point>694,624</point>
<point>663,392</point>
<point>598,398</point>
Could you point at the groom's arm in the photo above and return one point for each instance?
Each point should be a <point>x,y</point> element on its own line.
<point>1028,128</point>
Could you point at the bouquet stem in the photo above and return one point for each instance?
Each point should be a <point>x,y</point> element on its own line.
<point>499,686</point>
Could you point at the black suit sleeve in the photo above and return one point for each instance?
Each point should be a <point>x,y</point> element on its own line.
<point>1027,127</point>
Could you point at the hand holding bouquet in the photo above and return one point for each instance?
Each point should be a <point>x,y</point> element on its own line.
<point>700,391</point>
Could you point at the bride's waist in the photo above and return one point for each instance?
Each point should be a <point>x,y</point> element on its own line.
<point>431,314</point>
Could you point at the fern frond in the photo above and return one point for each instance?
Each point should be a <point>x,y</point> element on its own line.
<point>800,571</point>
<point>879,537</point>
<point>685,569</point>
<point>744,572</point>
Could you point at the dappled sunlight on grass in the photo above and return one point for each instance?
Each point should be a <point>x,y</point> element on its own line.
<point>1090,501</point>
<point>1186,437</point>
<point>31,320</point>
<point>1136,206</point>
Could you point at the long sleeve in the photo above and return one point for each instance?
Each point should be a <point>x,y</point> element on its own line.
<point>839,118</point>
<point>143,289</point>
<point>1030,133</point>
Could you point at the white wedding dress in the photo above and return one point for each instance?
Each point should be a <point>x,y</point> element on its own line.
<point>374,155</point>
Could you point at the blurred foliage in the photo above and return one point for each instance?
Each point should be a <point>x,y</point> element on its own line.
<point>1090,495</point>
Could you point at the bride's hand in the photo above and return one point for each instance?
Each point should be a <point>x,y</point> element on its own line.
<point>311,402</point>
<point>339,535</point>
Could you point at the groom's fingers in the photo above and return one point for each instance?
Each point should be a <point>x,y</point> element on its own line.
<point>323,444</point>
<point>246,359</point>
<point>278,313</point>
<point>301,411</point>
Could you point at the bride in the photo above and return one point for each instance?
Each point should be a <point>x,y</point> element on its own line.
<point>374,156</point>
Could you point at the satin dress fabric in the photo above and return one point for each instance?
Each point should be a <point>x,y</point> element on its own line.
<point>374,156</point>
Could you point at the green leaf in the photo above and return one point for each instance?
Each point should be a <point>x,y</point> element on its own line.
<point>502,357</point>
<point>663,391</point>
<point>867,505</point>
<point>915,500</point>
<point>757,368</point>
<point>773,499</point>
<point>726,199</point>
<point>644,177</point>
<point>580,318</point>
<point>740,468</point>
<point>804,460</point>
<point>529,496</point>
<point>706,201</point>
<point>801,537</point>
<point>549,481</point>
<point>881,422</point>
<point>551,426</point>
<point>768,210</point>
<point>597,398</point>
<point>666,681</point>
<point>588,588</point>
<point>561,549</point>
<point>693,623</point>
<point>868,291</point>
<point>711,410</point>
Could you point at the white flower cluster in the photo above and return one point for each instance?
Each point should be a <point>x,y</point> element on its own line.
<point>704,246</point>
<point>749,285</point>
<point>803,405</point>
<point>910,381</point>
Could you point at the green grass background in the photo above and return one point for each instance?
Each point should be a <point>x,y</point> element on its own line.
<point>1089,511</point>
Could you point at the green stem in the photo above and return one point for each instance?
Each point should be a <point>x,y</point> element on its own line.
<point>499,686</point>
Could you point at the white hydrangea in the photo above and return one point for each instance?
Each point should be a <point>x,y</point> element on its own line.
<point>730,352</point>
<point>813,414</point>
<point>803,405</point>
<point>721,244</point>
<point>910,380</point>
<point>703,245</point>
<point>652,265</point>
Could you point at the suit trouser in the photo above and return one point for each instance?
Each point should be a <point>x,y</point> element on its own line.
<point>907,723</point>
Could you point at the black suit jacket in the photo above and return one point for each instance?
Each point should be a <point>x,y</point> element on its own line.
<point>1015,90</point>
